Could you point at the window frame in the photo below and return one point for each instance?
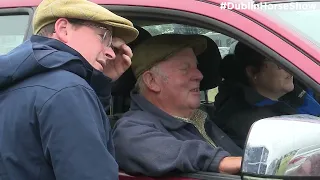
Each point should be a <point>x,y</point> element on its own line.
<point>19,11</point>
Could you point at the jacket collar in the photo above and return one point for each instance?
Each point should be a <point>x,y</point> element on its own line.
<point>76,64</point>
<point>138,102</point>
<point>287,104</point>
<point>294,98</point>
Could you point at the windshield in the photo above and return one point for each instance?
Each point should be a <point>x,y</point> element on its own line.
<point>301,17</point>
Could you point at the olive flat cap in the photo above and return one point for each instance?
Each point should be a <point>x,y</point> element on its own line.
<point>161,47</point>
<point>49,11</point>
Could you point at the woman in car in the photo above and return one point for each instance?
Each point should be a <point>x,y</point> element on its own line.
<point>254,88</point>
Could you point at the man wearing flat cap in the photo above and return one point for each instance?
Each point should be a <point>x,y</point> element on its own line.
<point>164,131</point>
<point>54,89</point>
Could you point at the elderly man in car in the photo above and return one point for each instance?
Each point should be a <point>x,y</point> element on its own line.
<point>164,131</point>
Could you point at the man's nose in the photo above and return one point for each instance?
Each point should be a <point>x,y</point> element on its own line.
<point>197,75</point>
<point>109,52</point>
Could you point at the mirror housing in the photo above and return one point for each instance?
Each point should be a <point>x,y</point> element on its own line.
<point>283,146</point>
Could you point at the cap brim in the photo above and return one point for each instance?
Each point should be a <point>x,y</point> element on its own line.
<point>127,33</point>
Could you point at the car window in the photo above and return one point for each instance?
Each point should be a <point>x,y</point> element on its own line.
<point>223,42</point>
<point>12,31</point>
<point>302,19</point>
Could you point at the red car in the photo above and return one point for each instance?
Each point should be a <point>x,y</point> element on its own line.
<point>278,29</point>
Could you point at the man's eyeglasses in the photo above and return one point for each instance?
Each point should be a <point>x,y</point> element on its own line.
<point>106,38</point>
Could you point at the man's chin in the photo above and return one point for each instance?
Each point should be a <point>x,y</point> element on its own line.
<point>194,105</point>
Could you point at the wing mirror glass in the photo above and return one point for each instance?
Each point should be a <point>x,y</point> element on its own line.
<point>283,146</point>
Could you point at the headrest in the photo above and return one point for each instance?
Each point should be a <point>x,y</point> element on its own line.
<point>246,55</point>
<point>240,56</point>
<point>228,67</point>
<point>209,62</point>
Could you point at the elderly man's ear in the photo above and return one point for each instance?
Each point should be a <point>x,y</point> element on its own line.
<point>151,81</point>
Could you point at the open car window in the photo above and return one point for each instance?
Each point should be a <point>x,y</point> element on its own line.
<point>12,31</point>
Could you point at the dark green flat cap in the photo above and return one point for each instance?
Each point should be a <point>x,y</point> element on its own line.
<point>160,48</point>
<point>49,11</point>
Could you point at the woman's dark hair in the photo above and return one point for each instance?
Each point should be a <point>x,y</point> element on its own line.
<point>245,57</point>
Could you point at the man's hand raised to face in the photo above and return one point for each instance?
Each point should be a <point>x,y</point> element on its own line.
<point>230,165</point>
<point>116,67</point>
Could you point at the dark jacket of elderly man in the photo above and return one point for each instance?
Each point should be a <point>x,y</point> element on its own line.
<point>164,131</point>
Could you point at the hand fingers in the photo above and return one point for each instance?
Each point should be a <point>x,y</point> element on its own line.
<point>121,47</point>
<point>117,42</point>
<point>127,50</point>
<point>126,60</point>
<point>123,65</point>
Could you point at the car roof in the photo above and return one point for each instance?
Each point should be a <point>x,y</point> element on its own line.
<point>33,3</point>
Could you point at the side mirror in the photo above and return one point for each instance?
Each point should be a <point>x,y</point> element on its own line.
<point>283,147</point>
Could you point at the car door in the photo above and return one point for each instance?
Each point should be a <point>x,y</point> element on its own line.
<point>235,24</point>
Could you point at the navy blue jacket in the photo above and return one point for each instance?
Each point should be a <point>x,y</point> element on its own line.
<point>52,119</point>
<point>151,142</point>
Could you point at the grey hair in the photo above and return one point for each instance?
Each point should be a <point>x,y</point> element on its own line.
<point>140,85</point>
